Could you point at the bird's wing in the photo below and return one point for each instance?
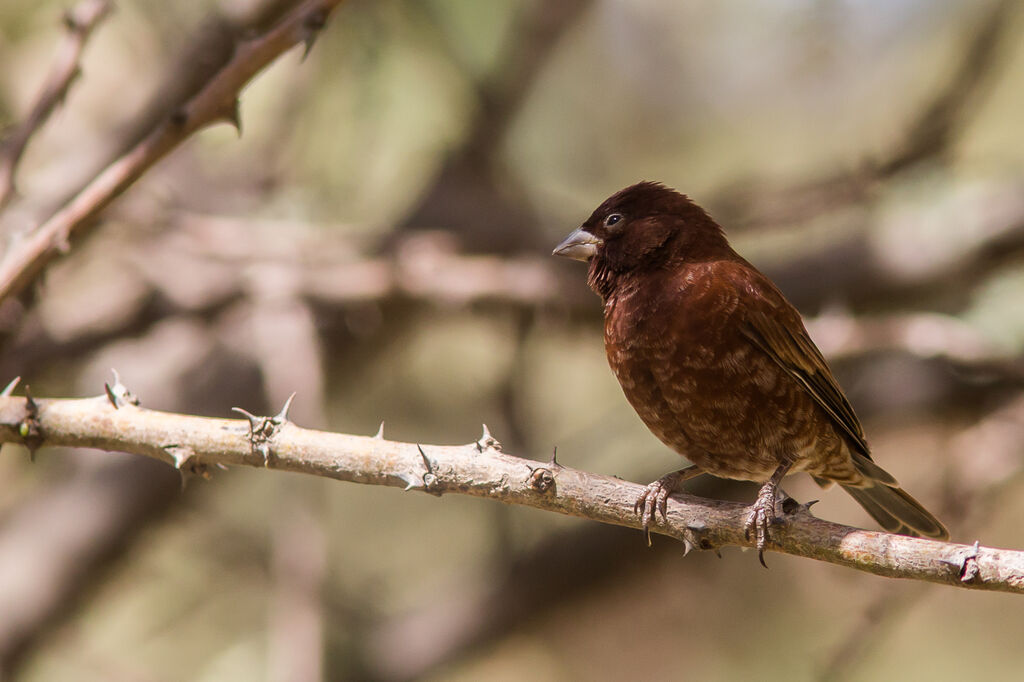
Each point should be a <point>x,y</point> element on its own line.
<point>776,328</point>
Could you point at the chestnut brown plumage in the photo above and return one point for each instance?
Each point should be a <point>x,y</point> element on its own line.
<point>718,364</point>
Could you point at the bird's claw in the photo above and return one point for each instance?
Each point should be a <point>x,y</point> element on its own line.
<point>759,520</point>
<point>654,498</point>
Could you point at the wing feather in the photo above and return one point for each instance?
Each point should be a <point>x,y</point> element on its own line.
<point>789,344</point>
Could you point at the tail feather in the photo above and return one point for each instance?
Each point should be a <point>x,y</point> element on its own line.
<point>896,511</point>
<point>866,466</point>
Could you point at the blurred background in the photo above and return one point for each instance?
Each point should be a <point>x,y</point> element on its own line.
<point>378,241</point>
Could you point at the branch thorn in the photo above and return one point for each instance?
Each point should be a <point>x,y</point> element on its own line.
<point>248,415</point>
<point>410,482</point>
<point>118,394</point>
<point>380,432</point>
<point>429,478</point>
<point>487,441</point>
<point>312,26</point>
<point>30,403</point>
<point>62,241</point>
<point>969,570</point>
<point>233,115</point>
<point>282,416</point>
<point>187,463</point>
<point>9,388</point>
<point>261,430</point>
<point>426,461</point>
<point>28,428</point>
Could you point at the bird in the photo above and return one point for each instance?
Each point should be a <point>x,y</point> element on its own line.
<point>719,366</point>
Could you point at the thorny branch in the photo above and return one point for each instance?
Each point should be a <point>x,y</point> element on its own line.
<point>214,103</point>
<point>982,490</point>
<point>79,21</point>
<point>481,469</point>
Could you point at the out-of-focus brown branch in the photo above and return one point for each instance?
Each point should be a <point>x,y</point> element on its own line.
<point>425,266</point>
<point>935,128</point>
<point>297,619</point>
<point>51,545</point>
<point>480,469</point>
<point>80,21</point>
<point>206,263</point>
<point>470,195</point>
<point>923,336</point>
<point>567,566</point>
<point>929,135</point>
<point>216,102</point>
<point>861,272</point>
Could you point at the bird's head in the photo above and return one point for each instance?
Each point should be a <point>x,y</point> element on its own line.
<point>643,227</point>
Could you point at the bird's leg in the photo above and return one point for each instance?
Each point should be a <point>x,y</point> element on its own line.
<point>762,512</point>
<point>655,496</point>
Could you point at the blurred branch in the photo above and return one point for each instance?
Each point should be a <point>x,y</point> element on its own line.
<point>865,272</point>
<point>923,336</point>
<point>52,544</point>
<point>79,21</point>
<point>467,615</point>
<point>207,263</point>
<point>935,128</point>
<point>480,469</point>
<point>929,135</point>
<point>987,470</point>
<point>470,195</point>
<point>424,266</point>
<point>206,50</point>
<point>424,269</point>
<point>299,563</point>
<point>214,103</point>
<point>565,568</point>
<point>877,619</point>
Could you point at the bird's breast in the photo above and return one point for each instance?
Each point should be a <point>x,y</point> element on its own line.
<point>703,388</point>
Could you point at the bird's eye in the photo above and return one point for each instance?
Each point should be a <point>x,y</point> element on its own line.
<point>612,219</point>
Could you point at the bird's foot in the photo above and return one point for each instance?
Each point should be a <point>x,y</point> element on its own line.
<point>761,517</point>
<point>763,511</point>
<point>654,497</point>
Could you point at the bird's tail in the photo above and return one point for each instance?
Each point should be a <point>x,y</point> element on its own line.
<point>896,511</point>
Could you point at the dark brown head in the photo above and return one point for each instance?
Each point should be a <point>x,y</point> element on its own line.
<point>641,228</point>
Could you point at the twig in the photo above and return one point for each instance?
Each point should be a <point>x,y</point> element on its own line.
<point>216,102</point>
<point>79,21</point>
<point>480,469</point>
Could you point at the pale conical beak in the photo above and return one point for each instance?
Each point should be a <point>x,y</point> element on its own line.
<point>580,245</point>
